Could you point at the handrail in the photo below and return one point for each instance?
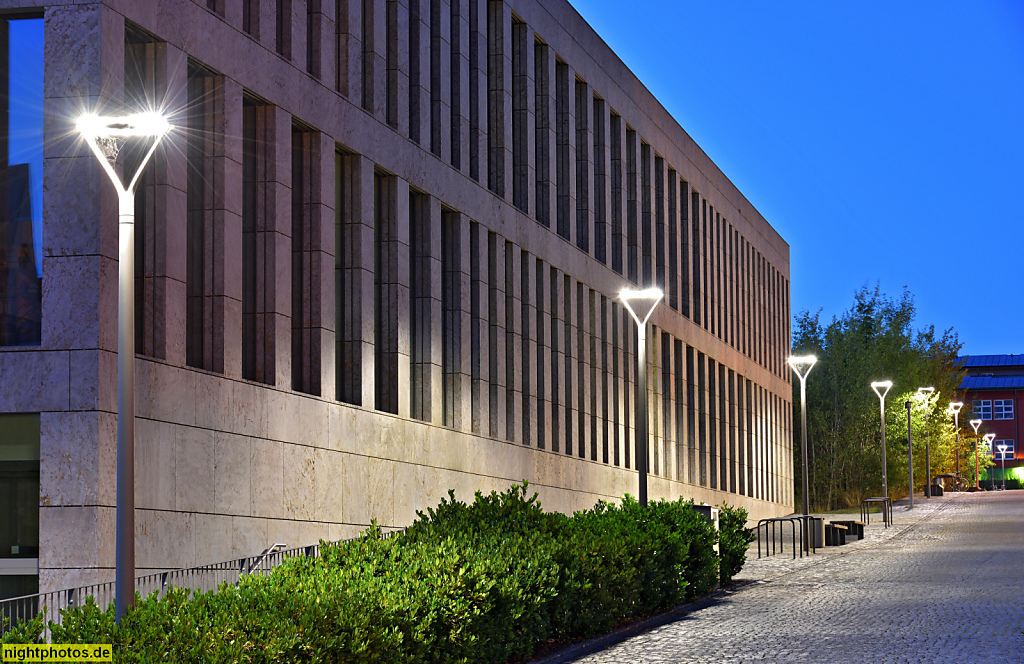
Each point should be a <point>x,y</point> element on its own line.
<point>201,578</point>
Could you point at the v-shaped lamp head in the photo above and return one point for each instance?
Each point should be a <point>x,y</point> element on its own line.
<point>96,128</point>
<point>802,364</point>
<point>975,424</point>
<point>881,388</point>
<point>641,303</point>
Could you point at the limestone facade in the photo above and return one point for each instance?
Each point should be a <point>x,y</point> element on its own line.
<point>377,259</point>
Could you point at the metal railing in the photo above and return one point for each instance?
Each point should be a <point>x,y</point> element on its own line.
<point>203,578</point>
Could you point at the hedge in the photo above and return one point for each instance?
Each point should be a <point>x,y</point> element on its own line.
<point>483,582</point>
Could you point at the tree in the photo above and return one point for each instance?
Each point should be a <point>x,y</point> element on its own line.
<point>872,341</point>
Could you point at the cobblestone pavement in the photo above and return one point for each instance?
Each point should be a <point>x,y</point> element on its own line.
<point>945,583</point>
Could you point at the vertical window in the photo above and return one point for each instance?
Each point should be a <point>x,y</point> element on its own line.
<point>646,218</point>
<point>385,328</point>
<point>691,416</point>
<point>542,136</point>
<point>455,82</point>
<point>680,413</point>
<point>19,495</point>
<point>474,89</point>
<point>204,347</point>
<point>496,97</point>
<point>615,129</point>
<point>416,65</point>
<point>306,284</point>
<point>582,168</point>
<point>540,277</point>
<point>283,35</point>
<point>476,323</point>
<point>140,91</point>
<point>562,148</point>
<point>632,212</point>
<point>451,310</point>
<point>420,287</point>
<point>600,183</point>
<point>391,47</point>
<point>684,250</point>
<point>713,415</point>
<point>659,224</point>
<point>21,182</point>
<point>673,239</point>
<point>251,17</point>
<point>520,116</point>
<point>257,273</point>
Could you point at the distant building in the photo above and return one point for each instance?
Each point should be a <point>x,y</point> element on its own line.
<point>994,388</point>
<point>378,258</point>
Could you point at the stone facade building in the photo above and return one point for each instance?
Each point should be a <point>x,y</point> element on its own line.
<point>377,258</point>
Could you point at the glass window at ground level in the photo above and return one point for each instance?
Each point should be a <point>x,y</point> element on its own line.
<point>1002,409</point>
<point>982,410</point>
<point>19,496</point>
<point>21,181</point>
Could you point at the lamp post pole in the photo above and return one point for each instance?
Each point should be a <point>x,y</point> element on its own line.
<point>910,459</point>
<point>989,438</point>
<point>882,388</point>
<point>955,407</point>
<point>100,133</point>
<point>926,394</point>
<point>975,424</point>
<point>1002,457</point>
<point>646,300</point>
<point>802,366</point>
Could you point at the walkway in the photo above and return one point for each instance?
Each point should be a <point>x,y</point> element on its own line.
<point>945,583</point>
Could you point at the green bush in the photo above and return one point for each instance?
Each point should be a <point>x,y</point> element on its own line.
<point>733,539</point>
<point>481,582</point>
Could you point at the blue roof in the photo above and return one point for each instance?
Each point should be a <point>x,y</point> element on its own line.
<point>994,361</point>
<point>992,383</point>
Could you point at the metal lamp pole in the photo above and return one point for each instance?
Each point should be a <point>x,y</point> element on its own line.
<point>646,301</point>
<point>989,437</point>
<point>801,366</point>
<point>1002,457</point>
<point>955,407</point>
<point>926,394</point>
<point>975,424</point>
<point>910,459</point>
<point>101,134</point>
<point>882,388</point>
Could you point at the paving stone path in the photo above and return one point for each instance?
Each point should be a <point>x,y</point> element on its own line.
<point>945,583</point>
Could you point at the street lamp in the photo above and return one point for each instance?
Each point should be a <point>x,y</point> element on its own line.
<point>881,388</point>
<point>105,136</point>
<point>910,458</point>
<point>975,424</point>
<point>645,302</point>
<point>954,407</point>
<point>801,366</point>
<point>1002,456</point>
<point>925,394</point>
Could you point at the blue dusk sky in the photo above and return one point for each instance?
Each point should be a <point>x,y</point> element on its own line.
<point>883,140</point>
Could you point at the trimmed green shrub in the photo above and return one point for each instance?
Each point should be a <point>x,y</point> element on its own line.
<point>481,582</point>
<point>733,539</point>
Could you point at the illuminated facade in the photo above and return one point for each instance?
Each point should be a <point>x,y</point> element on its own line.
<point>378,259</point>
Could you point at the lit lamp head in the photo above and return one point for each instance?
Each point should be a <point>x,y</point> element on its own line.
<point>881,388</point>
<point>925,393</point>
<point>955,406</point>
<point>106,134</point>
<point>641,302</point>
<point>975,424</point>
<point>989,437</point>
<point>802,364</point>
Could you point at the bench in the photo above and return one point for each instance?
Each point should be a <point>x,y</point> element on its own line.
<point>835,535</point>
<point>853,528</point>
